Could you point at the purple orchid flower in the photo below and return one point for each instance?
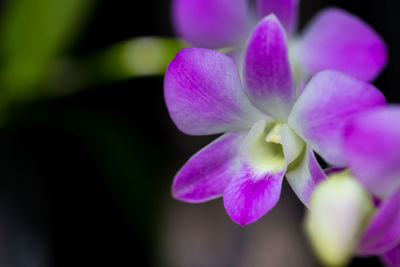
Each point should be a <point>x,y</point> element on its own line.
<point>372,149</point>
<point>334,39</point>
<point>371,146</point>
<point>268,132</point>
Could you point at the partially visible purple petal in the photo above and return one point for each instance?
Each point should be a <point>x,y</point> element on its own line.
<point>251,195</point>
<point>392,257</point>
<point>338,40</point>
<point>211,23</point>
<point>204,94</point>
<point>327,103</point>
<point>256,187</point>
<point>372,147</point>
<point>206,174</point>
<point>383,231</point>
<point>285,10</point>
<point>305,176</point>
<point>267,71</point>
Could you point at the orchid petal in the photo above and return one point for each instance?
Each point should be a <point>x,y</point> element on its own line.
<point>211,23</point>
<point>267,71</point>
<point>338,40</point>
<point>285,10</point>
<point>256,187</point>
<point>372,147</point>
<point>383,230</point>
<point>257,152</point>
<point>304,175</point>
<point>206,174</point>
<point>392,257</point>
<point>327,103</point>
<point>338,208</point>
<point>204,94</point>
<point>251,195</point>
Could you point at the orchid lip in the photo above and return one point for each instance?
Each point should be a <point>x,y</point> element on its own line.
<point>263,146</point>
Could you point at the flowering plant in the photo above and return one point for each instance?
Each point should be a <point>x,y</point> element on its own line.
<point>269,130</point>
<point>334,38</point>
<point>371,145</point>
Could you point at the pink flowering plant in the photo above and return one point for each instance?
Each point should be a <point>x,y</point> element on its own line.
<point>269,131</point>
<point>333,39</point>
<point>278,97</point>
<point>371,146</point>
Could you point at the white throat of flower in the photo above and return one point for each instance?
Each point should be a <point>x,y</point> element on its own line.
<point>262,147</point>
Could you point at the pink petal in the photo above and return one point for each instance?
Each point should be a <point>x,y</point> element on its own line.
<point>206,174</point>
<point>251,195</point>
<point>383,231</point>
<point>204,94</point>
<point>285,10</point>
<point>392,257</point>
<point>256,187</point>
<point>267,71</point>
<point>336,39</point>
<point>328,102</point>
<point>211,23</point>
<point>372,146</point>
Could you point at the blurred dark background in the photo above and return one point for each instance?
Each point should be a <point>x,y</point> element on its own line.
<point>85,176</point>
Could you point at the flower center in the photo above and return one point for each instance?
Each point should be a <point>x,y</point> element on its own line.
<point>275,134</point>
<point>263,147</point>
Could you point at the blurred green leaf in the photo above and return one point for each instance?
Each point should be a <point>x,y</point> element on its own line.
<point>141,56</point>
<point>32,34</point>
<point>136,57</point>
